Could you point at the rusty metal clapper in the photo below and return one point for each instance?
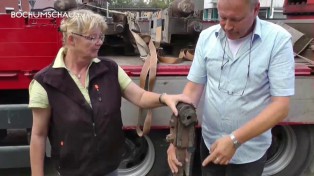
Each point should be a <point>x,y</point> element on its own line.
<point>182,135</point>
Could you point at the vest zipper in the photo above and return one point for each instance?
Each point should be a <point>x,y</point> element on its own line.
<point>94,128</point>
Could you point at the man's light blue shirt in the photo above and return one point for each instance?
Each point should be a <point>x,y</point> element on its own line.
<point>271,73</point>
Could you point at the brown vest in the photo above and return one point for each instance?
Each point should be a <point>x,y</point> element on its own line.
<point>85,141</point>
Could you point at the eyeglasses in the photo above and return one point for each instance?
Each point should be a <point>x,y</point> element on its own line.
<point>91,38</point>
<point>241,91</point>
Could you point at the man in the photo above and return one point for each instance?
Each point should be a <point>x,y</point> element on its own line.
<point>246,66</point>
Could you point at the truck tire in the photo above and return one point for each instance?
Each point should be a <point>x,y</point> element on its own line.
<point>3,134</point>
<point>290,152</point>
<point>146,156</point>
<point>160,166</point>
<point>139,155</point>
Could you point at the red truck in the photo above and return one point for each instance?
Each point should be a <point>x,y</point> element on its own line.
<point>29,44</point>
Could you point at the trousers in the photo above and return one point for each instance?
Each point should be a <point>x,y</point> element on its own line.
<point>248,169</point>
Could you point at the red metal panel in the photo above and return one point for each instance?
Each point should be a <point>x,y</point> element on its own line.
<point>20,81</point>
<point>25,63</point>
<point>299,17</point>
<point>155,127</point>
<point>301,69</point>
<point>26,46</point>
<point>165,70</point>
<point>29,34</point>
<point>183,70</point>
<point>298,10</point>
<point>8,23</point>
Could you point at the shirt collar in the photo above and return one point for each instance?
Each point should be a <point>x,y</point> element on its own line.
<point>59,60</point>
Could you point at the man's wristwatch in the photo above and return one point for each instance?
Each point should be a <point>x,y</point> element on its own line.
<point>236,143</point>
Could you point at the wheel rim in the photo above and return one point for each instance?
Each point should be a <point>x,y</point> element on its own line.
<point>144,151</point>
<point>281,151</point>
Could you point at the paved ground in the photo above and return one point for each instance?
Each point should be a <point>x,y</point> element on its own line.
<point>26,172</point>
<point>15,172</point>
<point>22,172</point>
<point>49,171</point>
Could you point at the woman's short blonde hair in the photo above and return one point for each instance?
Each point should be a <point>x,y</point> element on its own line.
<point>81,21</point>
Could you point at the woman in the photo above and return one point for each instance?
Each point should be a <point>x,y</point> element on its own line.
<point>76,103</point>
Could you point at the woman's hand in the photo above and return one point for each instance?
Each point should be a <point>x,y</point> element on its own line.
<point>173,100</point>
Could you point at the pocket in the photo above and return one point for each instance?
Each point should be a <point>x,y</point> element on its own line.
<point>68,157</point>
<point>213,65</point>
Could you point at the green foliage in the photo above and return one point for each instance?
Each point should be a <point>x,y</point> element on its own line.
<point>160,3</point>
<point>122,3</point>
<point>141,3</point>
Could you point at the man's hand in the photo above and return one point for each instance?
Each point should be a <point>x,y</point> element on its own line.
<point>221,152</point>
<point>173,162</point>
